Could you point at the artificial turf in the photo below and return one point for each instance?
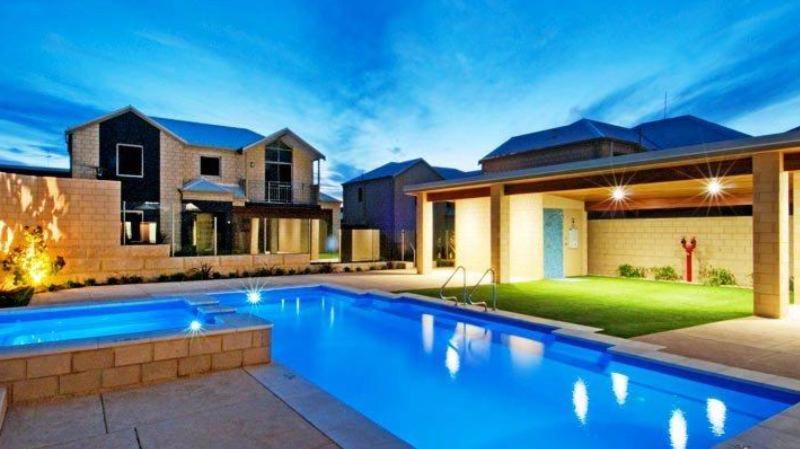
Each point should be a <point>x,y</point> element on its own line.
<point>621,307</point>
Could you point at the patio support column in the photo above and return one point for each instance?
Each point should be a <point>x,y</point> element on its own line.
<point>314,236</point>
<point>796,233</point>
<point>770,236</point>
<point>500,215</point>
<point>424,250</point>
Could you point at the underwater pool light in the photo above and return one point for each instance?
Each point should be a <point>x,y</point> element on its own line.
<point>195,326</point>
<point>254,296</point>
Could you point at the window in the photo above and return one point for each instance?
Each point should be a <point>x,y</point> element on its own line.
<point>209,166</point>
<point>360,194</point>
<point>130,160</point>
<point>279,164</point>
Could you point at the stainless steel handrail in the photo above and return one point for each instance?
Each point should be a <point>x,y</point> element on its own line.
<point>478,284</point>
<point>452,275</point>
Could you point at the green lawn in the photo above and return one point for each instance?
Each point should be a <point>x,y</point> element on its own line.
<point>329,255</point>
<point>622,307</point>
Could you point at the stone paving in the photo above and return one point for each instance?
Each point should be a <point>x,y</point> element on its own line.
<point>230,409</point>
<point>759,344</point>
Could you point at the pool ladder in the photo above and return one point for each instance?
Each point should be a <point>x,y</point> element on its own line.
<point>466,296</point>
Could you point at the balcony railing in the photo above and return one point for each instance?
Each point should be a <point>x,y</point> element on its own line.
<point>282,192</point>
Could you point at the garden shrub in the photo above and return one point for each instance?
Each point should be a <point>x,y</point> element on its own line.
<point>326,268</point>
<point>665,273</point>
<point>112,281</point>
<point>630,271</point>
<point>91,282</point>
<point>29,262</point>
<point>717,276</point>
<point>16,297</point>
<point>347,269</point>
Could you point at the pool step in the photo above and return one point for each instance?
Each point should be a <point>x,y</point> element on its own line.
<point>200,300</point>
<point>215,310</point>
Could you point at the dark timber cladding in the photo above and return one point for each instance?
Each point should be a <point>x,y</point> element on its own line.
<point>130,129</point>
<point>462,194</point>
<point>742,166</point>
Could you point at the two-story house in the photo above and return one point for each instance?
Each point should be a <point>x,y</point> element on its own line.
<point>205,189</point>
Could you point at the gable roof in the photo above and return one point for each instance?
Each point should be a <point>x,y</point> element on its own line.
<point>205,134</point>
<point>682,131</point>
<point>390,169</point>
<point>580,131</point>
<point>793,130</point>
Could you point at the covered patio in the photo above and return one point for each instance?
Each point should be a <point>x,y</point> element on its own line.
<point>734,197</point>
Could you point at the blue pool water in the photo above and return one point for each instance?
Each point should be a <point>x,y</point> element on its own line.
<point>76,322</point>
<point>440,379</point>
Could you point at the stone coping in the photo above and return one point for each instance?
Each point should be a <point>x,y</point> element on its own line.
<point>341,423</point>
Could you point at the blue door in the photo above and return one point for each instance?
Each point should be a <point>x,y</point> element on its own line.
<point>553,243</point>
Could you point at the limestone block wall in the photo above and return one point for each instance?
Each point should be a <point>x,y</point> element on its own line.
<point>81,219</point>
<point>473,239</point>
<point>86,152</point>
<point>171,163</point>
<point>114,365</point>
<point>725,242</point>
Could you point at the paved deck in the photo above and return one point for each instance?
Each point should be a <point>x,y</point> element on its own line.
<point>759,344</point>
<point>386,280</point>
<point>228,409</point>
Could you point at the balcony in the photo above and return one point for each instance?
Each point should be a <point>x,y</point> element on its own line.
<point>272,192</point>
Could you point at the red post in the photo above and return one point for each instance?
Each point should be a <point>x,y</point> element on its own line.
<point>689,248</point>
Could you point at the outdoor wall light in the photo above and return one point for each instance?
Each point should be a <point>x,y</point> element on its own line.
<point>714,187</point>
<point>618,193</point>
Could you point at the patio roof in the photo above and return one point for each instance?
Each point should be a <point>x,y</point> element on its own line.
<point>650,159</point>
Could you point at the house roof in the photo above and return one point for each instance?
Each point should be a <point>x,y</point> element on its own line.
<point>207,135</point>
<point>700,152</point>
<point>450,173</point>
<point>683,131</point>
<point>579,131</point>
<point>793,130</point>
<point>325,198</point>
<point>390,169</point>
<point>672,132</point>
<point>393,169</point>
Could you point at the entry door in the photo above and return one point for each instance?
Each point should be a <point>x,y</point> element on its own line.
<point>553,243</point>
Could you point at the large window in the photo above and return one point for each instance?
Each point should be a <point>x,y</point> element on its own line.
<point>209,166</point>
<point>130,160</point>
<point>279,164</point>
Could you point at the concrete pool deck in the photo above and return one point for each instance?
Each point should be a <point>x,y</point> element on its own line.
<point>231,409</point>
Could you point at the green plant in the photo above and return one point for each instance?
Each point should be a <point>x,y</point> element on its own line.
<point>216,275</point>
<point>30,263</point>
<point>91,282</point>
<point>326,268</point>
<point>347,269</point>
<point>359,269</point>
<point>292,271</point>
<point>74,284</point>
<point>278,271</point>
<point>202,272</point>
<point>177,277</point>
<point>665,273</point>
<point>112,281</point>
<point>16,297</point>
<point>162,278</point>
<point>716,276</point>
<point>629,271</point>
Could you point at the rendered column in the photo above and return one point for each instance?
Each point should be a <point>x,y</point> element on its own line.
<point>770,236</point>
<point>796,233</point>
<point>499,213</point>
<point>424,234</point>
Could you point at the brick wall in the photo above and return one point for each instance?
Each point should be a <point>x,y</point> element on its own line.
<point>725,242</point>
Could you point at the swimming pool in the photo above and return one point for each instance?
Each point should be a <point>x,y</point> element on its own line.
<point>69,323</point>
<point>439,378</point>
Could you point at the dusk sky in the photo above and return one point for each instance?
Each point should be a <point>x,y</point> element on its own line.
<point>377,81</point>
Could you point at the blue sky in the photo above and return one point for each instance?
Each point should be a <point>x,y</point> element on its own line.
<point>371,82</point>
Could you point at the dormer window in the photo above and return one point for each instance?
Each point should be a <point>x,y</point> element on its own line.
<point>130,160</point>
<point>210,166</point>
